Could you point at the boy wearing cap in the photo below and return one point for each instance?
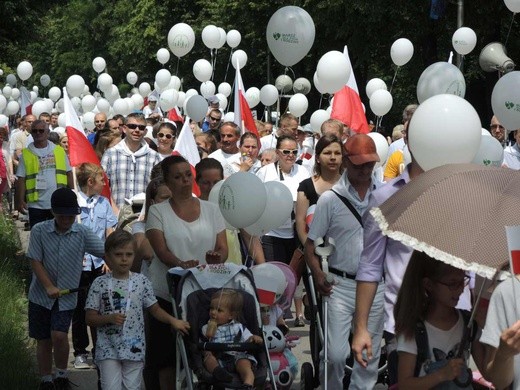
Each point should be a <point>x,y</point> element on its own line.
<point>151,110</point>
<point>56,249</point>
<point>338,216</point>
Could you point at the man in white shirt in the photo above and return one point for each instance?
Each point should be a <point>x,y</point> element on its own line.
<point>288,126</point>
<point>227,154</point>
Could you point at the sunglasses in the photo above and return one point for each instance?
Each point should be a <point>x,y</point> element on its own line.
<point>287,152</point>
<point>214,119</point>
<point>162,135</point>
<point>35,131</point>
<point>133,126</point>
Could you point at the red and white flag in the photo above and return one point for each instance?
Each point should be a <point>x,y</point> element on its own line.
<point>513,243</point>
<point>187,148</point>
<point>80,149</point>
<point>175,116</point>
<point>25,102</point>
<point>243,117</point>
<point>347,106</point>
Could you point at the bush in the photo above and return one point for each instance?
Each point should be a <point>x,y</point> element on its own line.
<point>16,349</point>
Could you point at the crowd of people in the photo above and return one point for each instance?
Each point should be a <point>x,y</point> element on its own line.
<point>121,248</point>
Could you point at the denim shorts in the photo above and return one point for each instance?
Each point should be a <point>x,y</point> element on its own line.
<point>43,321</point>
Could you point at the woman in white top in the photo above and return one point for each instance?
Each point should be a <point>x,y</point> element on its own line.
<point>279,244</point>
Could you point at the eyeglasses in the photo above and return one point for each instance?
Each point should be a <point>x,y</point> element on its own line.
<point>162,135</point>
<point>35,131</point>
<point>287,152</point>
<point>456,285</point>
<point>214,119</point>
<point>133,126</point>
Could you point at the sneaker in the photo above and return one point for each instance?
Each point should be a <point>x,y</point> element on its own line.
<point>61,383</point>
<point>298,322</point>
<point>46,386</point>
<point>80,362</point>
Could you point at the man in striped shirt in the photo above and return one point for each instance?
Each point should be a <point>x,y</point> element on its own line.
<point>56,249</point>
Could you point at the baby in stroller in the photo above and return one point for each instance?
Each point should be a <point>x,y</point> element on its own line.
<point>224,327</point>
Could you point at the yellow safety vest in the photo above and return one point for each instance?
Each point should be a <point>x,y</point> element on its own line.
<point>32,167</point>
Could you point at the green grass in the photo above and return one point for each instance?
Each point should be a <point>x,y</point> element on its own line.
<point>16,349</point>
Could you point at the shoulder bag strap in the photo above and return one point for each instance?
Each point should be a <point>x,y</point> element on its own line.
<point>350,207</point>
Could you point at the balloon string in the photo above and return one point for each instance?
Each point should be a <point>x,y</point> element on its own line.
<point>393,81</point>
<point>294,76</point>
<point>462,57</point>
<point>177,69</point>
<point>229,62</point>
<point>214,64</point>
<point>510,26</point>
<point>321,98</point>
<point>249,249</point>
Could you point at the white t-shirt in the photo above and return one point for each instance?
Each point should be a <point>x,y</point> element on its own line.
<point>271,172</point>
<point>446,341</point>
<point>226,159</point>
<point>235,161</point>
<point>187,240</point>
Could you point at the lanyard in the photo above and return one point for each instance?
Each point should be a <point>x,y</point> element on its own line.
<point>280,173</point>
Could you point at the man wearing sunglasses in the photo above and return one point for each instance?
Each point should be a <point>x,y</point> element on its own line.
<point>43,168</point>
<point>129,164</point>
<point>213,122</point>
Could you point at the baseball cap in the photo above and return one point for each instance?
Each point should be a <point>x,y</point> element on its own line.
<point>213,100</point>
<point>152,98</point>
<point>64,202</point>
<point>361,149</point>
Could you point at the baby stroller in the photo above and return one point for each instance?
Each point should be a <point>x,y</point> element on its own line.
<point>310,378</point>
<point>191,292</point>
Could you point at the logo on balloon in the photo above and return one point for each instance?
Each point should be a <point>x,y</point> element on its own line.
<point>276,36</point>
<point>226,200</point>
<point>509,105</point>
<point>286,38</point>
<point>180,41</point>
<point>456,88</point>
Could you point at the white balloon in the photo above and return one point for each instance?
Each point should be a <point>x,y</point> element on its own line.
<point>181,99</point>
<point>103,105</point>
<point>145,89</point>
<point>373,85</point>
<point>7,91</point>
<point>175,83</point>
<point>60,106</point>
<point>222,101</point>
<point>490,152</point>
<point>138,100</point>
<point>11,79</point>
<point>89,121</point>
<point>1,72</point>
<point>88,103</point>
<point>62,120</point>
<point>105,82</point>
<point>86,89</point>
<point>38,107</point>
<point>485,132</point>
<point>277,209</point>
<point>191,92</point>
<point>381,148</point>
<point>3,119</point>
<point>253,97</point>
<point>15,93</point>
<point>75,85</point>
<point>268,95</point>
<point>239,56</point>
<point>130,105</point>
<point>120,107</point>
<point>283,83</point>
<point>99,64</point>
<point>317,119</point>
<point>202,70</point>
<point>168,99</point>
<point>440,78</point>
<point>298,104</point>
<point>213,198</point>
<point>445,129</point>
<point>196,107</point>
<point>505,100</point>
<point>45,80</point>
<point>12,108</point>
<point>163,77</point>
<point>76,102</point>
<point>113,93</point>
<point>381,102</point>
<point>131,77</point>
<point>181,39</point>
<point>3,103</point>
<point>163,55</point>
<point>207,89</point>
<point>222,38</point>
<point>513,5</point>
<point>50,104</point>
<point>302,85</point>
<point>229,117</point>
<point>33,95</point>
<point>24,70</point>
<point>210,36</point>
<point>333,71</point>
<point>225,89</point>
<point>401,51</point>
<point>235,198</point>
<point>464,40</point>
<point>54,94</point>
<point>233,38</point>
<point>290,34</point>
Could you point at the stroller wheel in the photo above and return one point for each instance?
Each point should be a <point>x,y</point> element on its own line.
<point>307,377</point>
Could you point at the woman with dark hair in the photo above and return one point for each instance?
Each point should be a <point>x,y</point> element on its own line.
<point>327,171</point>
<point>165,136</point>
<point>247,160</point>
<point>183,232</point>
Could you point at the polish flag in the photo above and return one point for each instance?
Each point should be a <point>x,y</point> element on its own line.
<point>25,102</point>
<point>175,116</point>
<point>80,149</point>
<point>347,107</point>
<point>513,243</point>
<point>187,148</point>
<point>243,117</point>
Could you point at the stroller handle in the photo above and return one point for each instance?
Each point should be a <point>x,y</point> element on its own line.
<point>222,347</point>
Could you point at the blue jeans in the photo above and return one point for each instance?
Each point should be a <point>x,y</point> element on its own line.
<point>341,307</point>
